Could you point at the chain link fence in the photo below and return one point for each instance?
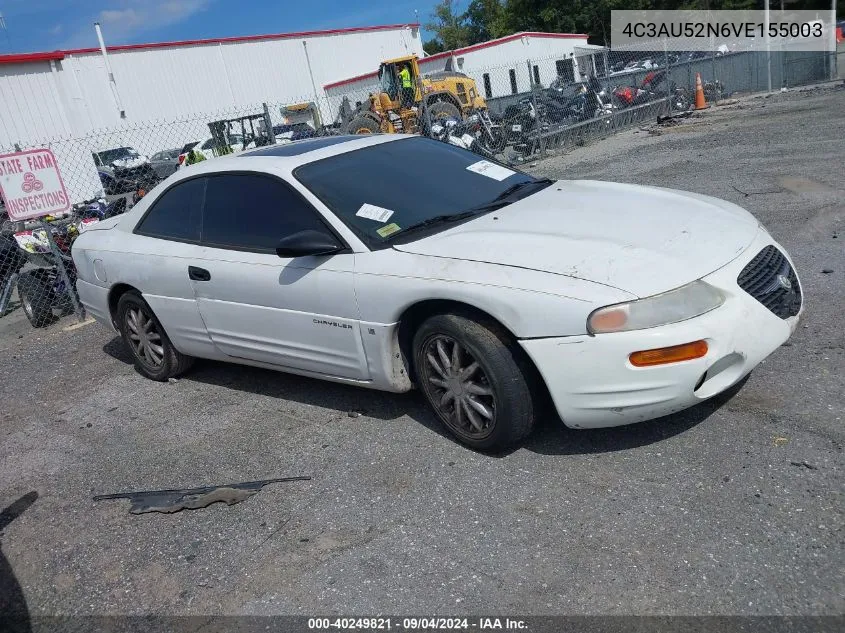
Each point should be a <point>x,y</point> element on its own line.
<point>512,113</point>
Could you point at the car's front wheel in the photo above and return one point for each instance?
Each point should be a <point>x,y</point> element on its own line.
<point>153,353</point>
<point>474,381</point>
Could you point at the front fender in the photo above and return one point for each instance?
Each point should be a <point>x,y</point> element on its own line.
<point>529,303</point>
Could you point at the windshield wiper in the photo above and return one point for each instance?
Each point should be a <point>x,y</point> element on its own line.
<point>505,198</point>
<point>499,201</point>
<point>437,219</point>
<point>521,185</point>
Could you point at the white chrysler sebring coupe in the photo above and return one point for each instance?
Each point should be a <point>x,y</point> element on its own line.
<point>394,261</point>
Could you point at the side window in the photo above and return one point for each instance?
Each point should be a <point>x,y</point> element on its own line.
<point>176,215</point>
<point>462,93</point>
<point>253,212</point>
<point>565,70</point>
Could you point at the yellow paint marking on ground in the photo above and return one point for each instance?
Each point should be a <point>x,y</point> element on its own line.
<point>76,326</point>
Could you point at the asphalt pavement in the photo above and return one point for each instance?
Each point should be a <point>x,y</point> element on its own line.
<point>732,507</point>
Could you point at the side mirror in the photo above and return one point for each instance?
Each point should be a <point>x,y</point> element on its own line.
<point>307,242</point>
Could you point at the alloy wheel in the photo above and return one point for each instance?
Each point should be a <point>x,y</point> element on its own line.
<point>458,387</point>
<point>144,337</point>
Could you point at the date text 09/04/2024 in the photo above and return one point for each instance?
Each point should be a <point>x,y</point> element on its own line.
<point>415,623</point>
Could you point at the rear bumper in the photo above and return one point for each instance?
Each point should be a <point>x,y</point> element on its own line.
<point>95,300</point>
<point>593,384</point>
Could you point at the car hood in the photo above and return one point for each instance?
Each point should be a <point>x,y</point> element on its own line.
<point>643,240</point>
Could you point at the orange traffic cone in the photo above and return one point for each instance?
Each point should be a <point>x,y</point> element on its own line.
<point>700,103</point>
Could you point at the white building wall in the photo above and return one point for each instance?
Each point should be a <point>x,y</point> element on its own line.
<point>170,92</point>
<point>175,82</point>
<point>496,59</point>
<point>30,102</point>
<point>515,54</point>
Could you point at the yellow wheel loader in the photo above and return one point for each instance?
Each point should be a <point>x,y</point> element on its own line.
<point>396,109</point>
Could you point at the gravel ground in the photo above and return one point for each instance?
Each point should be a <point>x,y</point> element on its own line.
<point>733,507</point>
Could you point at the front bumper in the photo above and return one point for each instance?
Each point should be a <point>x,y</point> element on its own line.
<point>593,384</point>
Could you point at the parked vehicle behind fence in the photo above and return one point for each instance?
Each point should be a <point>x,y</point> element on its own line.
<point>165,163</point>
<point>124,164</point>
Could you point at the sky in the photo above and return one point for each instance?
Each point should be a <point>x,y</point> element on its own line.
<point>45,25</point>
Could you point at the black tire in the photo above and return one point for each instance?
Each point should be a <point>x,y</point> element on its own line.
<point>363,125</point>
<point>36,295</point>
<point>444,110</point>
<point>493,143</point>
<point>681,102</point>
<point>172,363</point>
<point>501,371</point>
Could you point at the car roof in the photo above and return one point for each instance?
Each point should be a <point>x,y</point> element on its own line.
<point>316,148</point>
<point>289,156</point>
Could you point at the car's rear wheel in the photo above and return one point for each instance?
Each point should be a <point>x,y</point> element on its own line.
<point>474,381</point>
<point>145,339</point>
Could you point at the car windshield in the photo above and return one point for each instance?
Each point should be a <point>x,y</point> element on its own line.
<point>386,191</point>
<point>111,155</point>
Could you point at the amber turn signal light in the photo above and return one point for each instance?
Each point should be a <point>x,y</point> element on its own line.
<point>664,355</point>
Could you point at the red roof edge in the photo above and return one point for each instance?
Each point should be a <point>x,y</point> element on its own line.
<point>57,55</point>
<point>24,58</point>
<point>245,38</point>
<point>350,80</point>
<point>468,49</point>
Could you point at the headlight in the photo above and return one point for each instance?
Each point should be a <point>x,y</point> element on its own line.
<point>676,305</point>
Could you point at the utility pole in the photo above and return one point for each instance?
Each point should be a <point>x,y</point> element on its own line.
<point>768,49</point>
<point>112,82</point>
<point>834,57</point>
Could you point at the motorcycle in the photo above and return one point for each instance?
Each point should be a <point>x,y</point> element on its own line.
<point>43,287</point>
<point>630,96</point>
<point>520,121</point>
<point>590,101</point>
<point>659,84</point>
<point>477,133</point>
<point>549,111</point>
<point>489,135</point>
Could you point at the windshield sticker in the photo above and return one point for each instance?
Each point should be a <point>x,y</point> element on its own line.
<point>389,229</point>
<point>372,212</point>
<point>491,170</point>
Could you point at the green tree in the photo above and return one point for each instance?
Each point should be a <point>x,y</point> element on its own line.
<point>448,27</point>
<point>484,20</point>
<point>433,46</point>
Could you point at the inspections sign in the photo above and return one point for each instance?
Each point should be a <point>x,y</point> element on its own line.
<point>31,185</point>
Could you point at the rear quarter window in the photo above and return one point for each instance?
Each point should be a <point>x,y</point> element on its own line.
<point>176,214</point>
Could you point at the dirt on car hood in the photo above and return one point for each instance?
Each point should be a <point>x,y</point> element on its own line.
<point>644,240</point>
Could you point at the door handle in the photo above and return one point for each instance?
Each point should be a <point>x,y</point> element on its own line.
<point>198,274</point>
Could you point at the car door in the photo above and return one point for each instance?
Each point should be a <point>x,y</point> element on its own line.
<point>165,240</point>
<point>298,313</point>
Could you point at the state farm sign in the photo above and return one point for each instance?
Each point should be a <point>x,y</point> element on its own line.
<point>31,185</point>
